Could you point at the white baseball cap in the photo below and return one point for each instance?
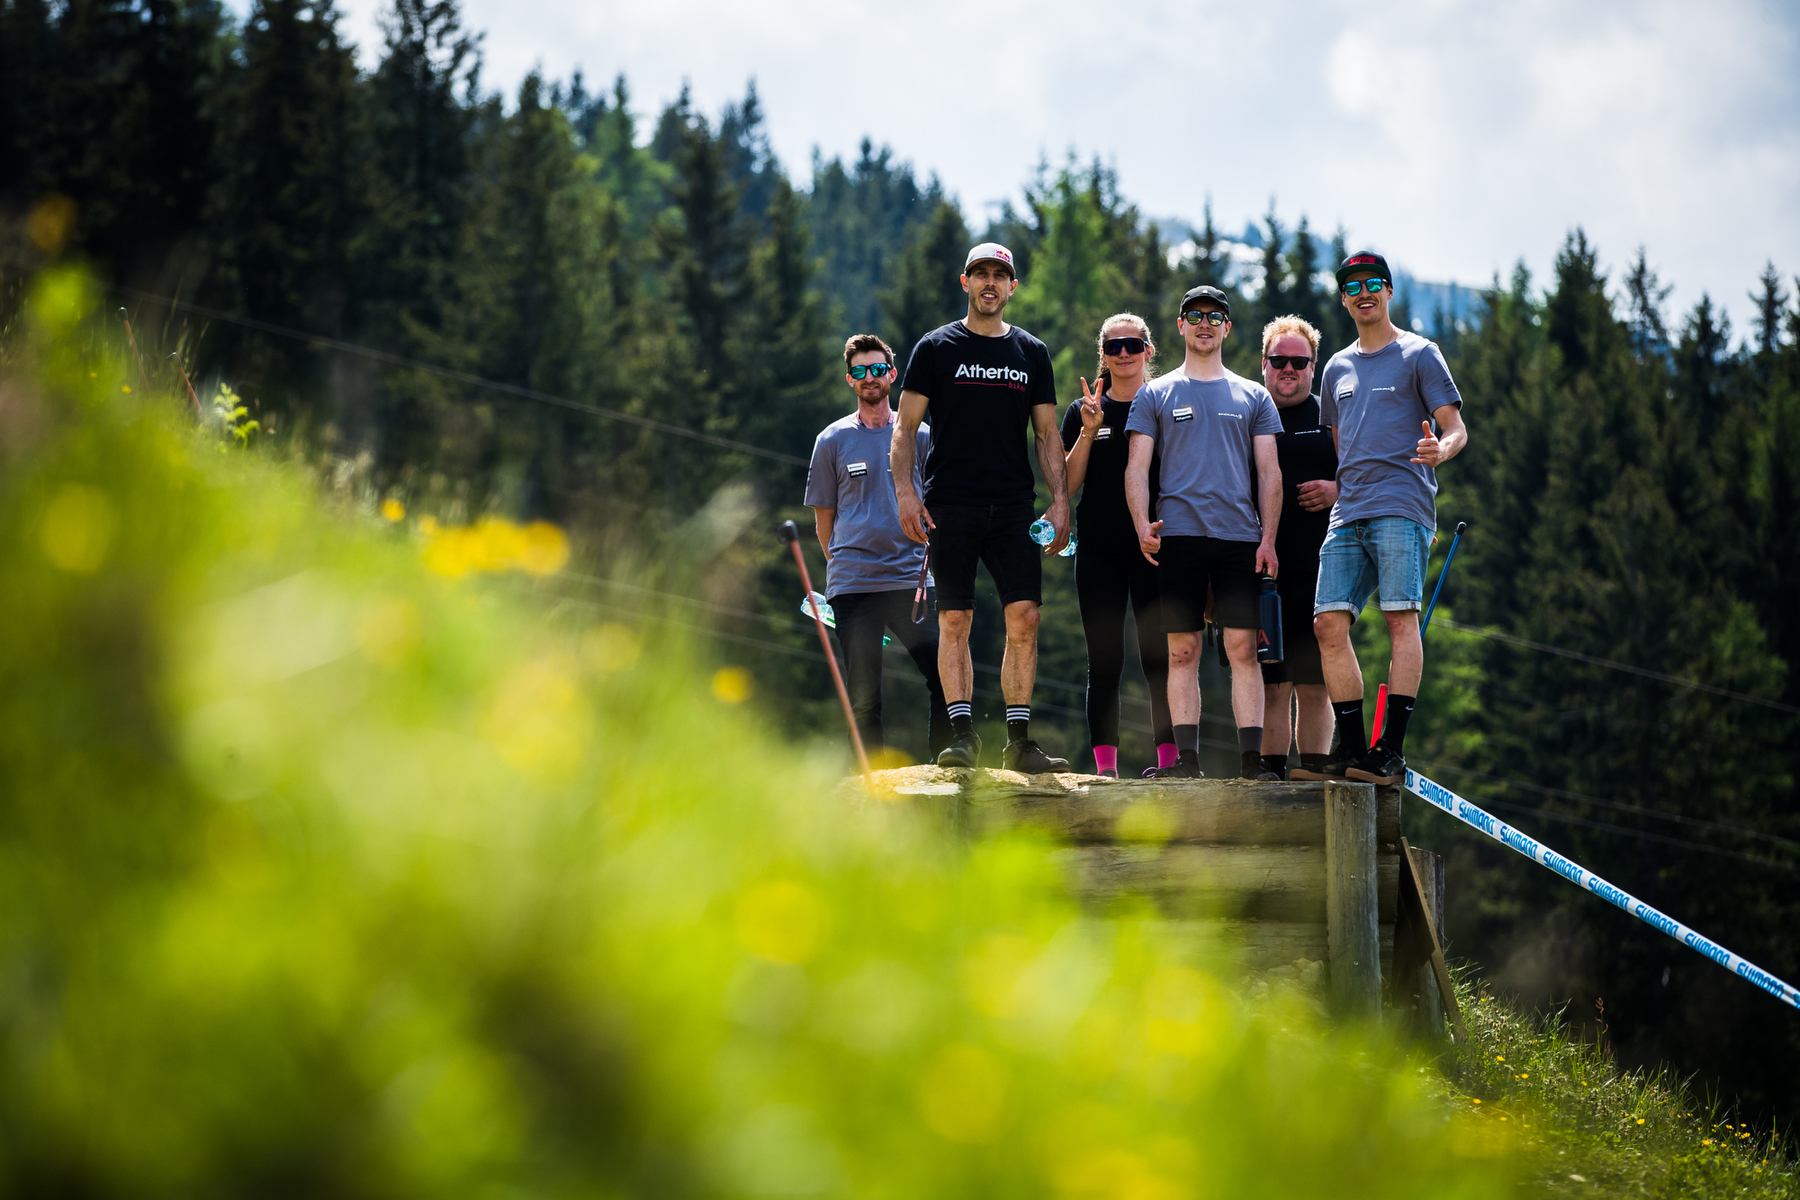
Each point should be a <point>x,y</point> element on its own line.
<point>991,252</point>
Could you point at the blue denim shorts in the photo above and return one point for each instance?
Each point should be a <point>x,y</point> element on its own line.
<point>1359,557</point>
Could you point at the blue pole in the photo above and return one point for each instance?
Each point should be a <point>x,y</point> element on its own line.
<point>1448,559</point>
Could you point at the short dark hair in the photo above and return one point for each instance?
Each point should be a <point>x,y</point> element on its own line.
<point>862,343</point>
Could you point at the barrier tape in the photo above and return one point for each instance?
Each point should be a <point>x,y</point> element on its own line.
<point>1475,817</point>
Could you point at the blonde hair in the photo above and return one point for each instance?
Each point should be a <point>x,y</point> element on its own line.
<point>1103,373</point>
<point>1282,326</point>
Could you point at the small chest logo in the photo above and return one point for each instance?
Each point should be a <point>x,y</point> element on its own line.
<point>1183,414</point>
<point>1102,433</point>
<point>857,470</point>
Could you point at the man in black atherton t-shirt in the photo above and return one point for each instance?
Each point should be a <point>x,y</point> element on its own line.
<point>980,379</point>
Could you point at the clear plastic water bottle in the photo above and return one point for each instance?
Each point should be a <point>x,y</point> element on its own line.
<point>1043,533</point>
<point>826,615</point>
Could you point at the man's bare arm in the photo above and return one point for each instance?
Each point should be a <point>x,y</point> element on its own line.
<point>823,520</point>
<point>1050,461</point>
<point>902,456</point>
<point>1268,486</point>
<point>1436,450</point>
<point>1137,493</point>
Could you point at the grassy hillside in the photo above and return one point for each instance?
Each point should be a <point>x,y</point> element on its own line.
<point>333,861</point>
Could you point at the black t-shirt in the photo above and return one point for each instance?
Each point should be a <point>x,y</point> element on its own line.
<point>1103,518</point>
<point>982,391</point>
<point>1306,453</point>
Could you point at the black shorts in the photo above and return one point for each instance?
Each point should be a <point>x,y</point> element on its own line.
<point>998,535</point>
<point>1189,565</point>
<point>1298,581</point>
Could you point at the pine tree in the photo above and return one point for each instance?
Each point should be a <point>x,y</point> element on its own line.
<point>292,191</point>
<point>1272,301</point>
<point>419,172</point>
<point>927,290</point>
<point>115,112</point>
<point>1771,306</point>
<point>1646,294</point>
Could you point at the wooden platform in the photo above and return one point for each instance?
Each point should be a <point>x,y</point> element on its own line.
<point>1247,862</point>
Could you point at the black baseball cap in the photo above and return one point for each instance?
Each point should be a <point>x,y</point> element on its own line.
<point>1205,291</point>
<point>1364,260</point>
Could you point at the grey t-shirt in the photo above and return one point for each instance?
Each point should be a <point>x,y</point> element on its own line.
<point>849,473</point>
<point>1377,402</point>
<point>1203,432</point>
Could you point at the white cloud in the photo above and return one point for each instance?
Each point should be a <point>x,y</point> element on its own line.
<point>1455,136</point>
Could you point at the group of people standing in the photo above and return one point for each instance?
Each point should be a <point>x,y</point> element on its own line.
<point>1195,486</point>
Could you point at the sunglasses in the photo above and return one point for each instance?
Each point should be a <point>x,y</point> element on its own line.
<point>1123,345</point>
<point>1282,362</point>
<point>1355,286</point>
<point>876,369</point>
<point>1214,318</point>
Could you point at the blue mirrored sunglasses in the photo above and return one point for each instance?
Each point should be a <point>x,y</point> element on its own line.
<point>875,369</point>
<point>1355,286</point>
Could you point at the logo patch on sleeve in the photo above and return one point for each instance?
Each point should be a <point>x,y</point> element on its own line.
<point>1183,414</point>
<point>857,469</point>
<point>1102,433</point>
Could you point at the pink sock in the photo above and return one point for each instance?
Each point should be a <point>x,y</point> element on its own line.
<point>1167,755</point>
<point>1106,758</point>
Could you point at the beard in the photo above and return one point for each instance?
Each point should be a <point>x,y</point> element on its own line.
<point>989,308</point>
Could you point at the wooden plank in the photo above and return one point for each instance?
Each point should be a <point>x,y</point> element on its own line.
<point>1223,811</point>
<point>1256,945</point>
<point>1412,894</point>
<point>1429,868</point>
<point>1353,917</point>
<point>1282,883</point>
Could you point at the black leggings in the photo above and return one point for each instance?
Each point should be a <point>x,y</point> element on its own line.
<point>1105,581</point>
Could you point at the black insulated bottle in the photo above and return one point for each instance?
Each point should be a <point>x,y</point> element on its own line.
<point>1268,634</point>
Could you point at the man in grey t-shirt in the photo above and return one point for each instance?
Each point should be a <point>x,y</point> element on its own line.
<point>871,567</point>
<point>1382,398</point>
<point>1215,520</point>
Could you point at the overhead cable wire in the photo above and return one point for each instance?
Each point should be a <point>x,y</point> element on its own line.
<point>1618,805</point>
<point>1604,826</point>
<point>401,360</point>
<point>1613,664</point>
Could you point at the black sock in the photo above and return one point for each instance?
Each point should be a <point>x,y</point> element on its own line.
<point>1314,762</point>
<point>1018,722</point>
<point>1353,739</point>
<point>1250,739</point>
<point>1276,763</point>
<point>1187,743</point>
<point>962,718</point>
<point>1399,711</point>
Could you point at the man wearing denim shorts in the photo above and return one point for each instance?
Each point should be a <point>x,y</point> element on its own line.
<point>983,381</point>
<point>1381,398</point>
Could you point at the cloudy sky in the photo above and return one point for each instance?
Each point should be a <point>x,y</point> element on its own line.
<point>1455,136</point>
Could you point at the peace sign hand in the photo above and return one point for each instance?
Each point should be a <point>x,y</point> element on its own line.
<point>1430,451</point>
<point>1091,411</point>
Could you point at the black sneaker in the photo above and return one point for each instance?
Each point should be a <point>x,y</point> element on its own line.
<point>1181,770</point>
<point>1383,764</point>
<point>1250,766</point>
<point>1107,774</point>
<point>1027,757</point>
<point>965,751</point>
<point>1340,761</point>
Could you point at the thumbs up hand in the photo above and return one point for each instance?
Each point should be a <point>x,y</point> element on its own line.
<point>1430,451</point>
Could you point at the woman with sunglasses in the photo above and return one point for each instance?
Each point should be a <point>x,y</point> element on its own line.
<point>1110,573</point>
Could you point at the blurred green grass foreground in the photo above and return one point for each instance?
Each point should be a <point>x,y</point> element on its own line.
<point>332,866</point>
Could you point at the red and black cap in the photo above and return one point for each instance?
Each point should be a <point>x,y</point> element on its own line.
<point>1363,260</point>
<point>1206,292</point>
